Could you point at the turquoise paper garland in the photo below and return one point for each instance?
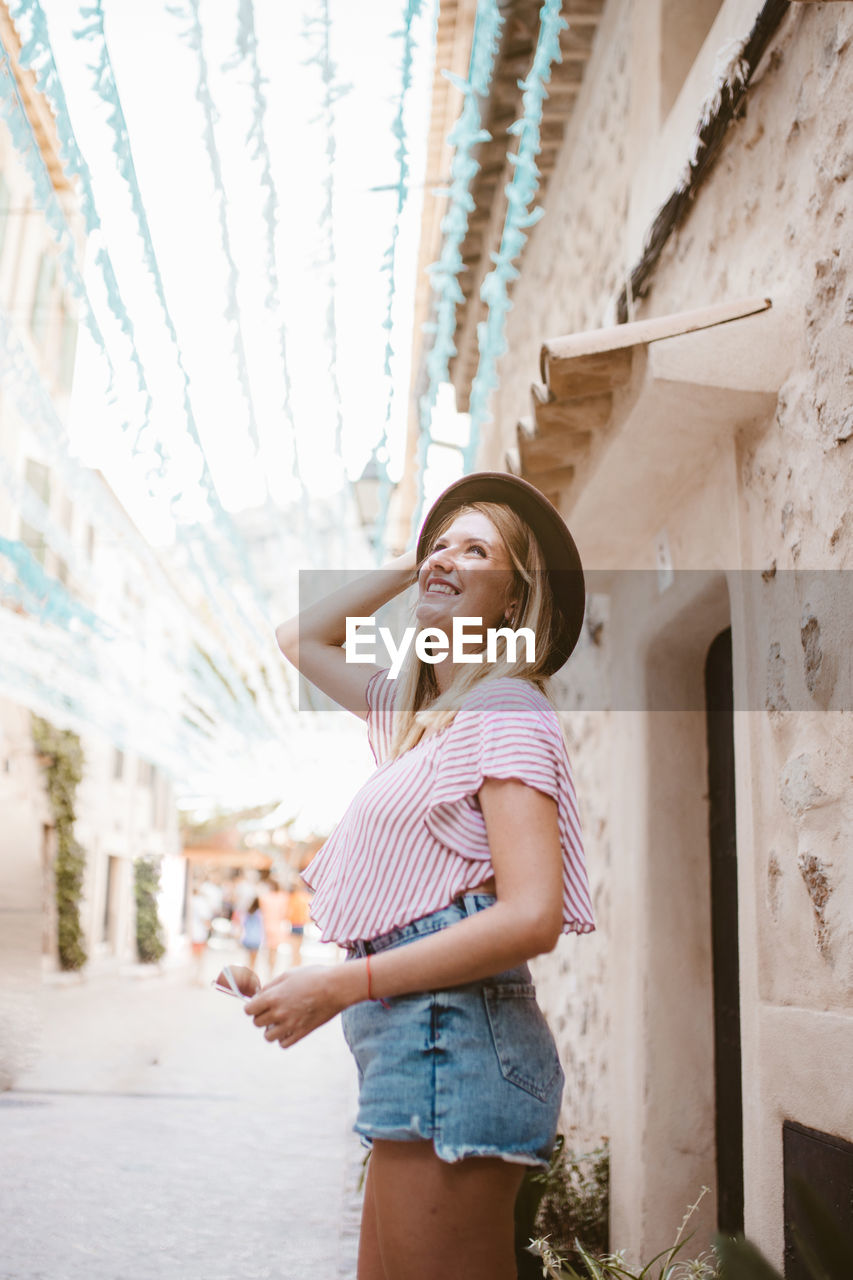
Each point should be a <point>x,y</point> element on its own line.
<point>520,193</point>
<point>192,35</point>
<point>466,134</point>
<point>389,265</point>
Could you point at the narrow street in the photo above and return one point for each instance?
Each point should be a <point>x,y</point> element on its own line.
<point>158,1135</point>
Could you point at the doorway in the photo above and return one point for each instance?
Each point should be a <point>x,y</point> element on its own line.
<point>722,836</point>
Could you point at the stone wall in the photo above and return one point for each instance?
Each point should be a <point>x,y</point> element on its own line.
<point>571,268</point>
<point>774,217</point>
<point>572,983</point>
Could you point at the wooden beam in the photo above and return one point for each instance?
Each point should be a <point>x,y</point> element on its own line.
<point>589,375</point>
<point>642,331</point>
<point>583,13</point>
<point>572,417</point>
<point>551,130</point>
<point>540,455</point>
<point>558,477</point>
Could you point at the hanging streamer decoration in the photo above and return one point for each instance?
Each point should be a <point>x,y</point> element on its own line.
<point>93,33</point>
<point>466,135</point>
<point>520,193</point>
<point>389,263</point>
<point>37,55</point>
<point>61,655</point>
<point>246,54</point>
<point>192,34</point>
<point>318,30</point>
<point>15,116</point>
<point>46,597</point>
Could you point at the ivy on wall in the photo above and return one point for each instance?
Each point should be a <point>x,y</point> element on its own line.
<point>61,757</point>
<point>149,931</point>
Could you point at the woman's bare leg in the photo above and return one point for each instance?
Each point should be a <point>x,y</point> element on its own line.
<point>369,1258</point>
<point>436,1219</point>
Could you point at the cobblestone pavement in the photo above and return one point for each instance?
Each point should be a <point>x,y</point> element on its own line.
<point>158,1134</point>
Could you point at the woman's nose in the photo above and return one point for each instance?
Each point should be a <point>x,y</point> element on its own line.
<point>440,559</point>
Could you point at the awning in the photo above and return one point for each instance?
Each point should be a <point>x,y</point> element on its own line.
<point>229,857</point>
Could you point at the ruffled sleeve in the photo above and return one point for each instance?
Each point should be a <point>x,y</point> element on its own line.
<point>380,714</point>
<point>504,729</point>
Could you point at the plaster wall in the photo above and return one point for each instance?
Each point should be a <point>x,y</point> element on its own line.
<point>773,217</point>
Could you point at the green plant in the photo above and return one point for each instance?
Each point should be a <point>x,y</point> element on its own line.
<point>572,1204</point>
<point>62,760</point>
<point>558,1265</point>
<point>149,931</point>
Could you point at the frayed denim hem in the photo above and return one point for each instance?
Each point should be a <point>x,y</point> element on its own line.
<point>449,1154</point>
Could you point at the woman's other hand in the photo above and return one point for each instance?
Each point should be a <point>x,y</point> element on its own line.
<point>296,1003</point>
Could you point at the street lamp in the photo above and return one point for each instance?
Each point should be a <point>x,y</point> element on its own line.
<point>368,498</point>
<point>366,489</point>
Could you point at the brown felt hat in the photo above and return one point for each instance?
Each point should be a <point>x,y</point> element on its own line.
<point>565,572</point>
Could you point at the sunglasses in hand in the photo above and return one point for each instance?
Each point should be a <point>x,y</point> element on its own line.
<point>237,980</point>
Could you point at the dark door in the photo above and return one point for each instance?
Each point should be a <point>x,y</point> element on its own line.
<point>724,932</point>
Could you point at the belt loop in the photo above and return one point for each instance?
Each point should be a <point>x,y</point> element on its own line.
<point>469,903</point>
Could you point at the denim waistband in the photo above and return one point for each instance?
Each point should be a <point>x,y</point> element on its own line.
<point>466,904</point>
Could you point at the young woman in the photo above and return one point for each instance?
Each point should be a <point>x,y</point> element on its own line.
<point>458,861</point>
<point>273,903</point>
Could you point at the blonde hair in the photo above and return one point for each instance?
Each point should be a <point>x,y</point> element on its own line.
<point>419,706</point>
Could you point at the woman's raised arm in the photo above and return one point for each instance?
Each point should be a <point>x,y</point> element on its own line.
<point>312,640</point>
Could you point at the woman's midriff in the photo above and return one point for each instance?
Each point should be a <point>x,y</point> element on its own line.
<point>487,887</point>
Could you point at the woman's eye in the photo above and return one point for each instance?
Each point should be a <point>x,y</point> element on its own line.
<point>475,547</point>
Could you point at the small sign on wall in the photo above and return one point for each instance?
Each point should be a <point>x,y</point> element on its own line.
<point>824,1162</point>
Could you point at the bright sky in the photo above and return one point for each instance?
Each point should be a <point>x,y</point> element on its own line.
<point>157,72</point>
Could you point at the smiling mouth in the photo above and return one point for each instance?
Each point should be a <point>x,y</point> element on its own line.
<point>441,589</point>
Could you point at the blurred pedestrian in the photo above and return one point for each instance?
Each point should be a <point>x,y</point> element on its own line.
<point>200,918</point>
<point>211,891</point>
<point>298,914</point>
<point>253,931</point>
<point>274,912</point>
<point>243,890</point>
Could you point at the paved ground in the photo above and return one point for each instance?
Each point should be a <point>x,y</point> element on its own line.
<point>159,1136</point>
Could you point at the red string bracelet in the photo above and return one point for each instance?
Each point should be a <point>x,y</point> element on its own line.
<point>370,995</point>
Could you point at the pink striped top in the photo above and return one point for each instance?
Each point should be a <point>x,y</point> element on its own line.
<point>414,835</point>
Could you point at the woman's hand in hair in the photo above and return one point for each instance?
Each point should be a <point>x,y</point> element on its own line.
<point>312,641</point>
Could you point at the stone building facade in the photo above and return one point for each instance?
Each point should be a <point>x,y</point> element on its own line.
<point>678,379</point>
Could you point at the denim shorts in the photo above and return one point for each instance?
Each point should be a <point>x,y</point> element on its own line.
<point>473,1067</point>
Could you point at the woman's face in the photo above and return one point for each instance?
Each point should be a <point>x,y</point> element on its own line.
<point>467,574</point>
